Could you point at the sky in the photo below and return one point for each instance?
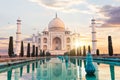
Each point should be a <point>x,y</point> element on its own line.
<point>76,14</point>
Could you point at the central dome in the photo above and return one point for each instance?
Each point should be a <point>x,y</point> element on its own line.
<point>56,24</point>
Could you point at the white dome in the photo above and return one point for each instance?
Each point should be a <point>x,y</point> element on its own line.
<point>56,24</point>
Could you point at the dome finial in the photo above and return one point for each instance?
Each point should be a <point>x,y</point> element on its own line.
<point>56,15</point>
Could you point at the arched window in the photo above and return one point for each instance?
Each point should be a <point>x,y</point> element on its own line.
<point>45,40</point>
<point>56,44</point>
<point>39,40</point>
<point>39,46</point>
<point>68,40</point>
<point>44,47</point>
<point>68,47</point>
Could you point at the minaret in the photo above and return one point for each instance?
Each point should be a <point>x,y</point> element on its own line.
<point>56,15</point>
<point>94,41</point>
<point>37,39</point>
<point>18,37</point>
<point>33,39</point>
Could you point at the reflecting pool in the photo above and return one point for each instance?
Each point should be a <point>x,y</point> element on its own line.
<point>60,69</point>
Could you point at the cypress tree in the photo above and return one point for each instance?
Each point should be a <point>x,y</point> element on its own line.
<point>84,51</point>
<point>72,52</point>
<point>33,51</point>
<point>41,52</point>
<point>28,50</point>
<point>89,50</point>
<point>80,52</point>
<point>10,48</point>
<point>48,53</point>
<point>110,48</point>
<point>97,52</point>
<point>36,51</point>
<point>22,50</point>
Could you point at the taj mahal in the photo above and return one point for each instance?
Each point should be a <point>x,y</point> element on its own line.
<point>57,38</point>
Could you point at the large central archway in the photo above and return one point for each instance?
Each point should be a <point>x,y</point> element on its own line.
<point>56,43</point>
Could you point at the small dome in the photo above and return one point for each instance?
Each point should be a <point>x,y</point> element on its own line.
<point>67,29</point>
<point>93,19</point>
<point>56,24</point>
<point>46,29</point>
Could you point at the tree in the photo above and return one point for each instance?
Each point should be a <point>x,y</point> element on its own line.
<point>78,51</point>
<point>84,51</point>
<point>41,52</point>
<point>28,50</point>
<point>33,51</point>
<point>36,51</point>
<point>48,53</point>
<point>89,50</point>
<point>72,52</point>
<point>97,52</point>
<point>110,48</point>
<point>10,48</point>
<point>22,50</point>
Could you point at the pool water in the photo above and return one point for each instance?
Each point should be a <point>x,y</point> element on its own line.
<point>60,69</point>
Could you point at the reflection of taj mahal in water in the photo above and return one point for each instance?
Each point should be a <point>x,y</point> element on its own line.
<point>56,38</point>
<point>56,70</point>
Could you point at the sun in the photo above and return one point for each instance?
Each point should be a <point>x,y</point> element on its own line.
<point>79,43</point>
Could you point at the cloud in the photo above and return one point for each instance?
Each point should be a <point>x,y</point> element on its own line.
<point>67,5</point>
<point>27,39</point>
<point>113,16</point>
<point>5,29</point>
<point>57,4</point>
<point>8,27</point>
<point>3,42</point>
<point>70,6</point>
<point>117,0</point>
<point>3,52</point>
<point>3,38</point>
<point>3,45</point>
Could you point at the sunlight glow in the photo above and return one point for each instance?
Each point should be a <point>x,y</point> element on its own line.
<point>79,43</point>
